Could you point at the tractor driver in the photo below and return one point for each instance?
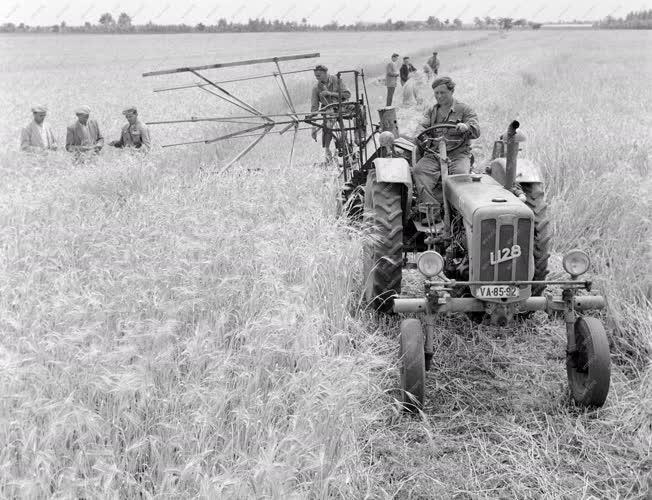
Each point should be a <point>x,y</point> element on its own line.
<point>327,90</point>
<point>427,171</point>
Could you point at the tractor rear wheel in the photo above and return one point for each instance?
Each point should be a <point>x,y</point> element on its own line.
<point>542,232</point>
<point>413,365</point>
<point>589,367</point>
<point>383,248</point>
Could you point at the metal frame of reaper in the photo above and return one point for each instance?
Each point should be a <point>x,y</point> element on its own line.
<point>347,120</point>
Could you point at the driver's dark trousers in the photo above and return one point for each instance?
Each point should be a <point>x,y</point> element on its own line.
<point>427,173</point>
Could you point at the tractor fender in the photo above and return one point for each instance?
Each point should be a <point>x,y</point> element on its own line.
<point>393,170</point>
<point>526,170</point>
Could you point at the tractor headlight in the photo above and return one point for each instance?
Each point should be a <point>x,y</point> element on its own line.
<point>576,262</point>
<point>430,263</point>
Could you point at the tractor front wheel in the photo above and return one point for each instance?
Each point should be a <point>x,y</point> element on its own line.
<point>588,368</point>
<point>413,365</point>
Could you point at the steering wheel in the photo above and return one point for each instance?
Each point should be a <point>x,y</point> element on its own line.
<point>426,141</point>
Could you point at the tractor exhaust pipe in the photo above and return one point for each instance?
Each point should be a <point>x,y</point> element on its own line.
<point>512,139</point>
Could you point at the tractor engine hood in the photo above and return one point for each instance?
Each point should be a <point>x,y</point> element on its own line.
<point>468,193</point>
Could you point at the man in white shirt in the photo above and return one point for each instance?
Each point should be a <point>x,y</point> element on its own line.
<point>392,72</point>
<point>37,136</point>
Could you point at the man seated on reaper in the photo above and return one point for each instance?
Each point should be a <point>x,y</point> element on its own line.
<point>328,90</point>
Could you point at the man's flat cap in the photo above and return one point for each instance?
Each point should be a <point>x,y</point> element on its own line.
<point>40,109</point>
<point>83,110</point>
<point>130,109</point>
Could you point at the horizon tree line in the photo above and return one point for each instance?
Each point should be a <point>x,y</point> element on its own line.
<point>108,24</point>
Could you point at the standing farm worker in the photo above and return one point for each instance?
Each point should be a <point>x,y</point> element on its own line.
<point>433,64</point>
<point>134,134</point>
<point>37,136</point>
<point>410,91</point>
<point>392,72</point>
<point>406,69</point>
<point>84,135</point>
<point>327,90</point>
<point>427,171</point>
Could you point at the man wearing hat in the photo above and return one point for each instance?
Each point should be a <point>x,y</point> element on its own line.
<point>328,90</point>
<point>134,134</point>
<point>433,64</point>
<point>37,136</point>
<point>427,171</point>
<point>392,72</point>
<point>84,135</point>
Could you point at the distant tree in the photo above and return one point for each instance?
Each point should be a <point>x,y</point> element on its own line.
<point>535,26</point>
<point>520,22</point>
<point>489,21</point>
<point>55,28</point>
<point>633,20</point>
<point>479,23</point>
<point>447,22</point>
<point>457,22</point>
<point>107,21</point>
<point>200,27</point>
<point>505,23</point>
<point>124,22</point>
<point>8,28</point>
<point>399,25</point>
<point>87,26</point>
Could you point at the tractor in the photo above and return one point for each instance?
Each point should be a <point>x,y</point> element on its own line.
<point>488,257</point>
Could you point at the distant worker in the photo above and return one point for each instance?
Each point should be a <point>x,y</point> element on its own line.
<point>427,70</point>
<point>433,64</point>
<point>410,90</point>
<point>427,171</point>
<point>134,134</point>
<point>406,69</point>
<point>328,90</point>
<point>84,135</point>
<point>392,72</point>
<point>37,135</point>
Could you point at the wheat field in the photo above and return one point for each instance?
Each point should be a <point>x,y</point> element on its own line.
<point>170,334</point>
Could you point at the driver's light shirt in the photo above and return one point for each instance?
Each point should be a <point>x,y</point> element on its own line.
<point>331,85</point>
<point>458,113</point>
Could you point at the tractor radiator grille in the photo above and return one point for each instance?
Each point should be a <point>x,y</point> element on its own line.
<point>495,238</point>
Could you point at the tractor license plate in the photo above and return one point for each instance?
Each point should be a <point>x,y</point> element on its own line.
<point>497,291</point>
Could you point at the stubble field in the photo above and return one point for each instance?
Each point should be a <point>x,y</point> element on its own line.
<point>166,333</point>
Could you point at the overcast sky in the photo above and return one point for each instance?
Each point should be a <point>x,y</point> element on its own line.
<point>75,12</point>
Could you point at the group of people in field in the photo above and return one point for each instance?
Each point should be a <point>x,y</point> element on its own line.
<point>406,73</point>
<point>83,138</point>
